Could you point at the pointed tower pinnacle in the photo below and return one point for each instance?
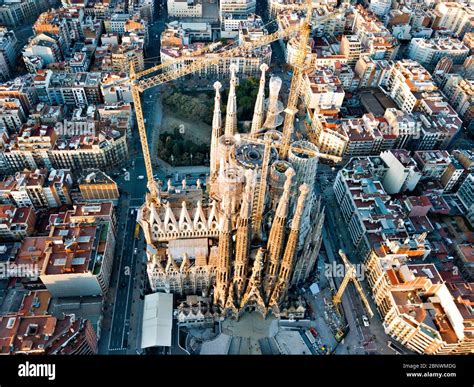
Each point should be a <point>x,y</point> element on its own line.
<point>289,255</point>
<point>259,111</point>
<point>231,113</point>
<point>275,107</point>
<point>253,296</point>
<point>242,238</point>
<point>224,254</point>
<point>216,128</point>
<point>277,236</point>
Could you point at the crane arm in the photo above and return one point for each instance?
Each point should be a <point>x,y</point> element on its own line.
<point>362,296</point>
<point>308,152</point>
<point>201,62</point>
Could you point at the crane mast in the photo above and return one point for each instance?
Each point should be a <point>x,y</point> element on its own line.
<point>298,68</point>
<point>257,210</point>
<point>143,136</point>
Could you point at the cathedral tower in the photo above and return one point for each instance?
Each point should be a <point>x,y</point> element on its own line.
<point>277,236</point>
<point>216,128</point>
<point>287,262</point>
<point>231,113</point>
<point>258,113</point>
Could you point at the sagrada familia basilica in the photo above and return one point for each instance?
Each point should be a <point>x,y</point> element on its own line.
<point>254,232</point>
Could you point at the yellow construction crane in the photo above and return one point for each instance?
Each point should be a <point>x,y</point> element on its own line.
<point>351,276</point>
<point>298,68</point>
<point>142,80</point>
<point>261,188</point>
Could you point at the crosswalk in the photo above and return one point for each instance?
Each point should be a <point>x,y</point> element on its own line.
<point>117,349</point>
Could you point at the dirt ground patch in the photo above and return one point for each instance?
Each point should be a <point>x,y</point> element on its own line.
<point>198,132</point>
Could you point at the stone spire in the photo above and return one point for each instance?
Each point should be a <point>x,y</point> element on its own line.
<point>253,296</point>
<point>289,255</point>
<point>259,111</point>
<point>224,254</point>
<point>242,238</point>
<point>231,113</point>
<point>277,236</point>
<point>216,128</point>
<point>275,107</point>
<point>260,197</point>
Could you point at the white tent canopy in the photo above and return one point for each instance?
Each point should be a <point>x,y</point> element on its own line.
<point>157,320</point>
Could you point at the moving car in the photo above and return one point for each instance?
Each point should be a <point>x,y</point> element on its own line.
<point>365,320</point>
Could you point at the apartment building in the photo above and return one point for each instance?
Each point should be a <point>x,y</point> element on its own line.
<point>116,88</point>
<point>14,13</point>
<point>41,51</point>
<point>453,175</point>
<point>440,122</point>
<point>106,151</point>
<point>16,223</point>
<point>466,192</point>
<point>39,146</point>
<point>416,306</point>
<point>21,88</point>
<point>428,52</point>
<point>402,174</point>
<point>96,186</point>
<point>322,91</point>
<point>184,8</point>
<point>12,114</point>
<point>42,189</point>
<point>71,89</point>
<point>460,94</point>
<point>46,335</point>
<point>116,116</point>
<point>55,23</point>
<point>454,16</point>
<point>404,127</point>
<point>328,136</point>
<point>363,134</point>
<point>369,212</point>
<point>177,52</point>
<point>129,52</point>
<point>29,148</point>
<point>351,48</point>
<point>371,72</point>
<point>376,40</point>
<point>432,163</point>
<point>73,260</point>
<point>406,82</point>
<point>230,27</point>
<point>8,51</point>
<point>85,213</point>
<point>236,8</point>
<point>380,7</point>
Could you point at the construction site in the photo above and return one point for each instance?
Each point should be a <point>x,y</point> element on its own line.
<point>249,240</point>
